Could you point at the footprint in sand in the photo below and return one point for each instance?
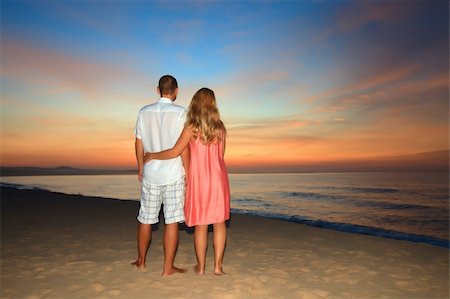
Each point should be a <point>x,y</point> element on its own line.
<point>403,284</point>
<point>316,239</point>
<point>326,279</point>
<point>292,285</point>
<point>114,292</point>
<point>255,288</point>
<point>74,287</point>
<point>321,293</point>
<point>98,287</point>
<point>46,293</point>
<point>241,254</point>
<point>281,281</point>
<point>313,279</point>
<point>304,270</point>
<point>278,272</point>
<point>157,284</point>
<point>257,292</point>
<point>307,295</point>
<point>223,296</point>
<point>131,285</point>
<point>349,281</point>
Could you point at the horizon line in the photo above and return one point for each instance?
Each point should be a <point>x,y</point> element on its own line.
<point>68,170</point>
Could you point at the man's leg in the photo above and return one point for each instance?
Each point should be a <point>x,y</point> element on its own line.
<point>150,205</point>
<point>144,236</point>
<point>170,249</point>
<point>173,200</point>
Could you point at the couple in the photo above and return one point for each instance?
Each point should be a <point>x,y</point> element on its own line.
<point>181,165</point>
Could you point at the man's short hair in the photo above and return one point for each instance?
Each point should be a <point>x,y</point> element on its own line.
<point>167,85</point>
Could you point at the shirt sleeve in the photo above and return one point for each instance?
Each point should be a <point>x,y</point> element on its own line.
<point>137,129</point>
<point>182,120</point>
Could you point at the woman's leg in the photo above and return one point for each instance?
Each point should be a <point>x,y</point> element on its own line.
<point>201,244</point>
<point>220,239</point>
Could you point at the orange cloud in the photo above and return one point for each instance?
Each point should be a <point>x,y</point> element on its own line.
<point>389,76</point>
<point>44,136</point>
<point>56,72</point>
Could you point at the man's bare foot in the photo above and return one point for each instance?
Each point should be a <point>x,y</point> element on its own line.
<point>174,270</point>
<point>219,272</point>
<point>139,266</point>
<point>197,270</point>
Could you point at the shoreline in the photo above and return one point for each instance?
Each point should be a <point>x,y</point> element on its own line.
<point>334,226</point>
<point>354,229</point>
<point>72,246</point>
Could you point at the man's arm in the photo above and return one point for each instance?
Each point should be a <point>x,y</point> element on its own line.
<point>139,149</point>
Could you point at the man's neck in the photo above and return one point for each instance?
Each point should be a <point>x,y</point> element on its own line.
<point>170,97</point>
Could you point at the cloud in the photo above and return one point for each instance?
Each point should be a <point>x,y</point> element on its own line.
<point>184,24</point>
<point>68,139</point>
<point>185,32</point>
<point>427,161</point>
<point>245,126</point>
<point>108,20</point>
<point>413,98</point>
<point>60,121</point>
<point>377,81</point>
<point>59,72</point>
<point>359,14</point>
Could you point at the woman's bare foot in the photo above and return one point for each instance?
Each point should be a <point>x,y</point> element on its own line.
<point>219,271</point>
<point>174,270</point>
<point>197,270</point>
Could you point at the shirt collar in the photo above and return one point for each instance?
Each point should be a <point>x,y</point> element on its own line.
<point>165,100</point>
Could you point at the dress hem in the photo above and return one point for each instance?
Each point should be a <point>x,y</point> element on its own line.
<point>218,221</point>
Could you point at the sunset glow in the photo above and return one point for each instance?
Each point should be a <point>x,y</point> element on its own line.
<point>299,84</point>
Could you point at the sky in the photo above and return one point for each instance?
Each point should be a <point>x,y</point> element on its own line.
<point>300,85</point>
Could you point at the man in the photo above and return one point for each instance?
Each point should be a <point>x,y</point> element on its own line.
<point>162,181</point>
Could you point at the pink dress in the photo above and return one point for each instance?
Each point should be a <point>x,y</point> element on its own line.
<point>208,190</point>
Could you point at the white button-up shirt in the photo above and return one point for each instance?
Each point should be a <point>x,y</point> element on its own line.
<point>158,126</point>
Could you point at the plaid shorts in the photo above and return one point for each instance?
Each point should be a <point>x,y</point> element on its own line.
<point>172,198</point>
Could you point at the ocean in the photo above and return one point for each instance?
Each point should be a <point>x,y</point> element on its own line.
<point>411,206</point>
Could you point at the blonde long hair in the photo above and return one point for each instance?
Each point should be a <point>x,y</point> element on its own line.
<point>203,117</point>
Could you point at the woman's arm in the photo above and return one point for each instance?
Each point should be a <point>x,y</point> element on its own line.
<point>185,158</point>
<point>224,146</point>
<point>175,151</point>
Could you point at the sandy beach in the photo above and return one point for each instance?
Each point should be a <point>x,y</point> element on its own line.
<point>68,246</point>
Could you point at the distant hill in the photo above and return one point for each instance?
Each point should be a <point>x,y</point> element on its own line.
<point>63,170</point>
<point>427,161</point>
